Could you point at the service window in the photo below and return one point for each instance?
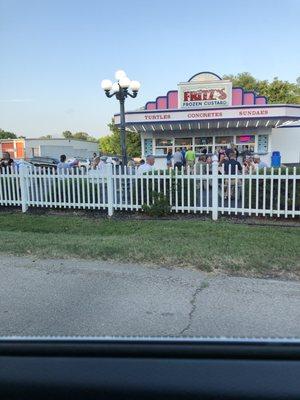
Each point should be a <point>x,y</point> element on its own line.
<point>183,142</point>
<point>163,142</point>
<point>245,143</point>
<point>222,142</point>
<point>204,142</point>
<point>163,145</point>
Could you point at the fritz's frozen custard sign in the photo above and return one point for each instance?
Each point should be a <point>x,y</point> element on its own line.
<point>204,90</point>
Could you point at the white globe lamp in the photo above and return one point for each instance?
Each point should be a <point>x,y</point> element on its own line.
<point>106,84</point>
<point>124,82</point>
<point>120,74</point>
<point>135,86</point>
<point>115,87</point>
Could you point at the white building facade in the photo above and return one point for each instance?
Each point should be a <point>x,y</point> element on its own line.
<point>27,148</point>
<point>208,112</point>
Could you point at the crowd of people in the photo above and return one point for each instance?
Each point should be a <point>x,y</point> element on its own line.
<point>185,160</point>
<point>229,160</point>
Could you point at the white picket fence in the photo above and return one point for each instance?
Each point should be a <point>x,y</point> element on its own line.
<point>201,190</point>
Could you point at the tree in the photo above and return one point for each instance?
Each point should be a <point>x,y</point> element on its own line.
<point>67,134</point>
<point>277,91</point>
<point>79,136</point>
<point>298,88</point>
<point>111,144</point>
<point>244,80</point>
<point>280,92</point>
<point>46,137</point>
<point>7,135</point>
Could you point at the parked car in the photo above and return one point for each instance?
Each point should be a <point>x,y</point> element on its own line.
<point>22,163</point>
<point>113,160</point>
<point>83,162</point>
<point>44,162</point>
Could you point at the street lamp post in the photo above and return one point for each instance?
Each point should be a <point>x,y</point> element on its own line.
<point>120,90</point>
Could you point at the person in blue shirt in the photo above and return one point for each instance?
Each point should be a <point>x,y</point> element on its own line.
<point>169,158</point>
<point>183,151</point>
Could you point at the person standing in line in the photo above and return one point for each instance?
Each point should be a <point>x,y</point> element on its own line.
<point>200,167</point>
<point>258,164</point>
<point>6,161</point>
<point>232,149</point>
<point>131,163</point>
<point>231,166</point>
<point>248,164</point>
<point>63,165</point>
<point>190,157</point>
<point>222,159</point>
<point>148,166</point>
<point>95,162</point>
<point>178,159</point>
<point>169,158</point>
<point>246,152</point>
<point>101,165</point>
<point>183,152</point>
<point>221,154</point>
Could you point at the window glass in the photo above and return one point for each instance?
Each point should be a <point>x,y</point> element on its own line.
<point>163,142</point>
<point>224,139</point>
<point>161,150</point>
<point>203,140</point>
<point>183,141</point>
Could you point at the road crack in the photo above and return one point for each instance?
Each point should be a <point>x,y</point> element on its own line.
<point>198,290</point>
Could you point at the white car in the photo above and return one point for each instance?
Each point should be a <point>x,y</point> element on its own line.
<point>82,162</point>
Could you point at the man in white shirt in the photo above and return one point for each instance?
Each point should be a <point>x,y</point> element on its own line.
<point>258,163</point>
<point>101,166</point>
<point>148,166</point>
<point>63,165</point>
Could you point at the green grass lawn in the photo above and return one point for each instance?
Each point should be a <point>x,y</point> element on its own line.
<point>207,245</point>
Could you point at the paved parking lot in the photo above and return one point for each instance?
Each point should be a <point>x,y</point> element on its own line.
<point>71,297</point>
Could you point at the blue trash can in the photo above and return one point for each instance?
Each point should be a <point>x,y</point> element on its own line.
<point>276,159</point>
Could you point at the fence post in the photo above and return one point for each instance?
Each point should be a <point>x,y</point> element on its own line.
<point>110,189</point>
<point>215,188</point>
<point>23,187</point>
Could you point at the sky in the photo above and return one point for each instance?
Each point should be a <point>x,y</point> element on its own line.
<point>56,52</point>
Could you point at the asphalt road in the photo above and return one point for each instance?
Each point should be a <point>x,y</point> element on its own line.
<point>71,297</point>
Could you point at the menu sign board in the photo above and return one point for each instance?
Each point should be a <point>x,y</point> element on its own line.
<point>204,95</point>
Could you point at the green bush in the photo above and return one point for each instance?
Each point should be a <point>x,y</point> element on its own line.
<point>170,186</point>
<point>160,205</point>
